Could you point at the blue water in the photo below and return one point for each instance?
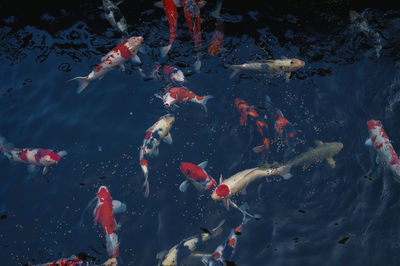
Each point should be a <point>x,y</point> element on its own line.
<point>342,216</point>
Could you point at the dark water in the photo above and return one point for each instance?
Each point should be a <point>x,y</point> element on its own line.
<point>342,216</point>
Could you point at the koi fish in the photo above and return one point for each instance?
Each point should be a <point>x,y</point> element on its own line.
<point>245,110</point>
<point>177,253</point>
<point>275,67</point>
<point>39,157</point>
<point>182,94</point>
<point>115,58</point>
<point>114,16</point>
<point>157,132</point>
<point>197,176</point>
<point>380,141</point>
<point>169,73</point>
<point>359,22</point>
<point>104,214</point>
<point>225,251</point>
<point>218,36</point>
<point>282,126</point>
<point>238,182</point>
<point>74,261</point>
<point>192,15</point>
<point>172,16</point>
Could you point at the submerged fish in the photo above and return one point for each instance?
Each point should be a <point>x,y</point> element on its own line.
<point>183,249</point>
<point>115,58</point>
<point>197,176</point>
<point>172,16</point>
<point>33,157</point>
<point>275,67</point>
<point>168,73</point>
<point>361,23</point>
<point>154,135</point>
<point>218,36</point>
<point>381,143</point>
<point>104,214</point>
<point>114,16</point>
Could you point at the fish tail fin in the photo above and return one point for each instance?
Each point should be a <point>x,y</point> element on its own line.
<point>197,64</point>
<point>62,153</point>
<point>218,229</point>
<point>285,172</point>
<point>112,245</point>
<point>205,100</point>
<point>83,83</point>
<point>5,147</point>
<point>236,69</point>
<point>145,169</point>
<point>165,49</point>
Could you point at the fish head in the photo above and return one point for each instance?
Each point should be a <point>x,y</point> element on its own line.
<point>48,157</point>
<point>134,43</point>
<point>187,168</point>
<point>103,194</point>
<point>169,119</point>
<point>374,123</point>
<point>295,64</point>
<point>169,100</point>
<point>221,192</point>
<point>177,76</point>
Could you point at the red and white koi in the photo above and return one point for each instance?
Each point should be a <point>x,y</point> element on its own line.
<point>191,10</point>
<point>380,141</point>
<point>154,135</point>
<point>104,214</point>
<point>182,94</point>
<point>40,157</point>
<point>225,251</point>
<point>197,176</point>
<point>172,16</point>
<point>169,73</point>
<point>73,261</point>
<point>115,58</point>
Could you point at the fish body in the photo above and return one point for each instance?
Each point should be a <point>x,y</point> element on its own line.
<point>239,181</point>
<point>73,261</point>
<point>323,151</point>
<point>104,214</point>
<point>283,128</point>
<point>381,143</point>
<point>115,58</point>
<point>31,156</point>
<point>191,11</point>
<point>361,23</point>
<point>197,176</point>
<point>154,135</point>
<point>168,73</point>
<point>276,67</point>
<point>245,110</point>
<point>183,249</point>
<point>182,94</point>
<point>114,16</point>
<point>172,16</point>
<point>218,36</point>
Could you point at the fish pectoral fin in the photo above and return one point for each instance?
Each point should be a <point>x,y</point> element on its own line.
<point>368,142</point>
<point>318,142</point>
<point>184,186</point>
<point>118,206</point>
<point>168,138</point>
<point>287,76</point>
<point>160,255</point>
<point>45,170</point>
<point>226,203</point>
<point>122,68</point>
<point>203,165</point>
<point>200,255</point>
<point>244,191</point>
<point>331,162</point>
<point>221,179</point>
<point>135,59</point>
<point>119,2</point>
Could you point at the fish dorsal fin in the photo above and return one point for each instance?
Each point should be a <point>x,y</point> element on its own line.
<point>220,179</point>
<point>226,202</point>
<point>118,206</point>
<point>160,255</point>
<point>318,142</point>
<point>203,165</point>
